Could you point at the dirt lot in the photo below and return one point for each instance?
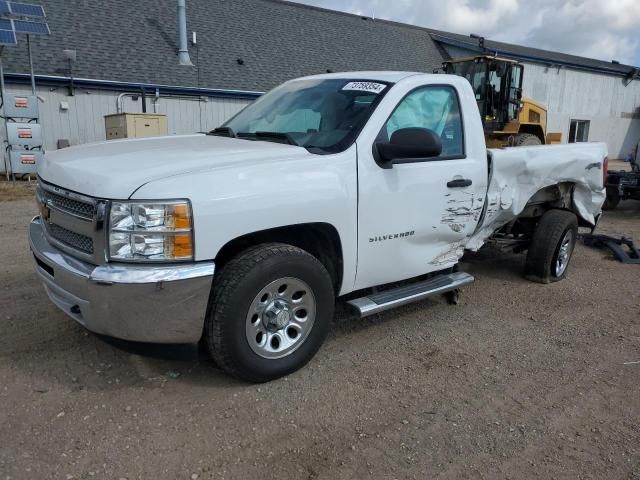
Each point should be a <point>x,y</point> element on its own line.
<point>518,381</point>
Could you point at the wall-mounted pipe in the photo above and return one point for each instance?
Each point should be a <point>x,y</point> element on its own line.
<point>110,85</point>
<point>183,51</point>
<point>120,100</point>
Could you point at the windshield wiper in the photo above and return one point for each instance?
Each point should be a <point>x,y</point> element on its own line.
<point>223,132</point>
<point>269,136</point>
<point>316,149</point>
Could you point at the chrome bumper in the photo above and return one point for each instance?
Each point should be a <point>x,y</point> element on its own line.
<point>145,303</point>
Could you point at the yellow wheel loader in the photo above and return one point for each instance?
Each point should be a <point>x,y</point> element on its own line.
<point>509,119</point>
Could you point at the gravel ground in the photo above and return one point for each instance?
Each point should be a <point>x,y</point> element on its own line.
<point>518,381</point>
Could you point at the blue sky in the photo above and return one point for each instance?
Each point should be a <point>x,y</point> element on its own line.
<point>602,29</point>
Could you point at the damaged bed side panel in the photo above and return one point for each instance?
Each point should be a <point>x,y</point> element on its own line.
<point>519,173</point>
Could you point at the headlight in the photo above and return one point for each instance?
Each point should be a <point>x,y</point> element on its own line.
<point>160,231</point>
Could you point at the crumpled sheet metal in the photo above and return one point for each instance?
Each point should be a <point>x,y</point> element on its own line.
<point>519,173</point>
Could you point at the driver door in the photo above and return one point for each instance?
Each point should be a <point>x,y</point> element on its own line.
<point>413,218</point>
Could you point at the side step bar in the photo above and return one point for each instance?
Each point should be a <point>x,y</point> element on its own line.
<point>379,302</point>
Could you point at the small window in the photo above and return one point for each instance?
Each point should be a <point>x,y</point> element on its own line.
<point>579,131</point>
<point>435,108</point>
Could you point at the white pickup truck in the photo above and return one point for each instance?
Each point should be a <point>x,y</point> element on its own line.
<point>371,184</point>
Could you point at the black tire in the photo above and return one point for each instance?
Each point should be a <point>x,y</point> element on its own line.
<point>544,249</point>
<point>526,140</point>
<point>234,290</point>
<point>612,200</point>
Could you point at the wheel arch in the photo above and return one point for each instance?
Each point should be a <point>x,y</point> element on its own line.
<point>533,129</point>
<point>558,196</point>
<point>321,240</point>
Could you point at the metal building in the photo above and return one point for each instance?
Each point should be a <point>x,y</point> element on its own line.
<point>128,51</point>
<point>587,99</point>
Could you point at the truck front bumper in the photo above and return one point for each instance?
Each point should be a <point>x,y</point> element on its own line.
<point>145,303</point>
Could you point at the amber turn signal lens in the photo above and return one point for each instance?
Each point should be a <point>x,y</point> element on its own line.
<point>181,216</point>
<point>182,246</point>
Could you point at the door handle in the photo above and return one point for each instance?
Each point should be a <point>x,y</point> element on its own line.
<point>459,183</point>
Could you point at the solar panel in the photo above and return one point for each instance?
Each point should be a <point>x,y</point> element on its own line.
<point>27,9</point>
<point>5,24</point>
<point>36,28</point>
<point>8,37</point>
<point>4,7</point>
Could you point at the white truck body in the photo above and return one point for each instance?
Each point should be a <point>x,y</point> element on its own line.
<point>392,223</point>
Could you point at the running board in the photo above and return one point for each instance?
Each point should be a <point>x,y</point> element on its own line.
<point>379,302</point>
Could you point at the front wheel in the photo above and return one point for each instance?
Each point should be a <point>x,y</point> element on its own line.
<point>270,311</point>
<point>551,247</point>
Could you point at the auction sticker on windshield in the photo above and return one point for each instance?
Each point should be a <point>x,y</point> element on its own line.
<point>371,87</point>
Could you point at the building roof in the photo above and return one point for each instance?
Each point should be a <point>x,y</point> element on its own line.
<point>364,76</point>
<point>531,54</point>
<point>248,45</point>
<point>136,41</point>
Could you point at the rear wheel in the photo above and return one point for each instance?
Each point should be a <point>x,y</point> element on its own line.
<point>526,139</point>
<point>612,200</point>
<point>551,247</point>
<point>270,312</point>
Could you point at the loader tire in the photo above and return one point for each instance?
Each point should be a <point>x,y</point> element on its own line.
<point>551,247</point>
<point>526,140</point>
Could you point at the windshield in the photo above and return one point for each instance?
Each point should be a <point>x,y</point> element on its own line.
<point>323,116</point>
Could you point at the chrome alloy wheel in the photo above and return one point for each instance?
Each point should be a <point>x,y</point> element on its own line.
<point>280,317</point>
<point>564,253</point>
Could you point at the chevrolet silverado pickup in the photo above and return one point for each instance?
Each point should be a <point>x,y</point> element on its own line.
<point>369,185</point>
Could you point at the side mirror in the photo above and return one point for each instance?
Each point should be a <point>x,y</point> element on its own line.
<point>409,143</point>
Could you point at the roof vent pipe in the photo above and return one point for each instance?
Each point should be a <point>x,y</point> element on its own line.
<point>183,51</point>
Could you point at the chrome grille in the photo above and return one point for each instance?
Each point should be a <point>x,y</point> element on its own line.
<point>69,205</point>
<point>71,239</point>
<point>73,222</point>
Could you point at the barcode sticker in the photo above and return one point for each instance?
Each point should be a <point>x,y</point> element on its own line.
<point>371,87</point>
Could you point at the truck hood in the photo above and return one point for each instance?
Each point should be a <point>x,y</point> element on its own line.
<point>115,169</point>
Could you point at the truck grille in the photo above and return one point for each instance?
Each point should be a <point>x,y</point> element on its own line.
<point>72,239</point>
<point>73,222</point>
<point>69,205</point>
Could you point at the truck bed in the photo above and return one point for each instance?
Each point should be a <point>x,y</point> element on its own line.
<point>517,174</point>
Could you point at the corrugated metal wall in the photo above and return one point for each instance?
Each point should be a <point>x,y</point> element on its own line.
<point>83,121</point>
<point>612,108</point>
<point>602,99</point>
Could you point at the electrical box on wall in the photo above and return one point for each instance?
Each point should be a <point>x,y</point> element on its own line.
<point>25,161</point>
<point>21,106</point>
<point>24,134</point>
<point>135,125</point>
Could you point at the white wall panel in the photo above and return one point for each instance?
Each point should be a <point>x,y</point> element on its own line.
<point>602,99</point>
<point>83,122</point>
<point>612,108</point>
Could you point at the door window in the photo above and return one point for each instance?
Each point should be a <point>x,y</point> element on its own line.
<point>436,108</point>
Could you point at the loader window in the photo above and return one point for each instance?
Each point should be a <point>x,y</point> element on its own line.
<point>476,74</point>
<point>435,108</point>
<point>515,92</point>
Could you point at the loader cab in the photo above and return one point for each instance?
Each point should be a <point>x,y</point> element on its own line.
<point>497,84</point>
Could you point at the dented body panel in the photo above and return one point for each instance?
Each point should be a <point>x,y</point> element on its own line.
<point>517,175</point>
